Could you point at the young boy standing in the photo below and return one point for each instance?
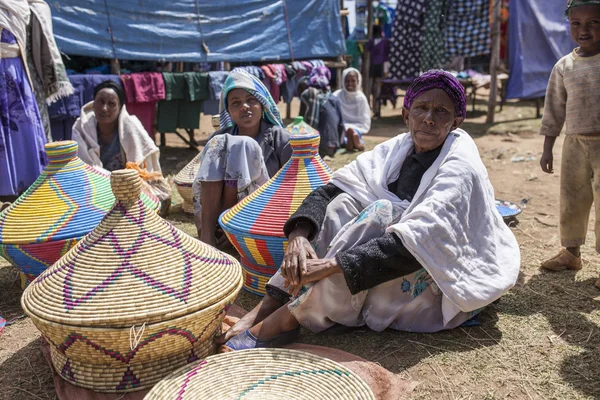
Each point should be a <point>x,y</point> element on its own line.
<point>573,99</point>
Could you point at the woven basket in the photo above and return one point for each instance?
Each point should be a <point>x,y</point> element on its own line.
<point>184,180</point>
<point>255,225</point>
<point>66,202</point>
<point>133,300</point>
<point>263,374</point>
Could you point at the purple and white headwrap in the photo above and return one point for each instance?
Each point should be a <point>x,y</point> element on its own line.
<point>438,79</point>
<point>319,78</point>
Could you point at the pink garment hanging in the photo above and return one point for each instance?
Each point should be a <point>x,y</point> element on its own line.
<point>272,86</point>
<point>142,92</point>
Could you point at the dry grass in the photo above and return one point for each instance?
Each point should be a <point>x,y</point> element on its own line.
<point>541,341</point>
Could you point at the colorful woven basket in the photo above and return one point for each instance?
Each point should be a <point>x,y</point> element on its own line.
<point>66,202</point>
<point>134,300</point>
<point>255,225</point>
<point>184,180</point>
<point>263,374</point>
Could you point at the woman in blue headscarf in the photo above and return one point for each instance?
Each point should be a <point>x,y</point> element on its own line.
<point>246,152</point>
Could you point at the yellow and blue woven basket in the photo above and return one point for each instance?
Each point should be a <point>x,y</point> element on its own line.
<point>67,201</point>
<point>255,225</point>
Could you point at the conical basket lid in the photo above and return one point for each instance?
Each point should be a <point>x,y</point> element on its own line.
<point>267,209</point>
<point>67,200</point>
<point>299,127</point>
<point>133,268</point>
<point>186,176</point>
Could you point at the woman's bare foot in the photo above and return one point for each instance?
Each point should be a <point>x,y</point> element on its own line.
<point>265,308</point>
<point>349,139</point>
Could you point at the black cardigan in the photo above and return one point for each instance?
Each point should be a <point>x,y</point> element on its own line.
<point>381,259</point>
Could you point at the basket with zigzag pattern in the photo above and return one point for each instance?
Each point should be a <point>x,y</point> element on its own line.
<point>67,201</point>
<point>134,300</point>
<point>255,225</point>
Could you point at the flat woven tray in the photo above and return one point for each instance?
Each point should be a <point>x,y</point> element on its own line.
<point>184,180</point>
<point>262,374</point>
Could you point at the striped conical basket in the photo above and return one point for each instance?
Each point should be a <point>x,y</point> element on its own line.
<point>255,225</point>
<point>67,201</point>
<point>134,300</point>
<point>183,182</point>
<point>263,374</point>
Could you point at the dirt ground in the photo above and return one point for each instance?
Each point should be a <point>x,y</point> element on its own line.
<point>541,341</point>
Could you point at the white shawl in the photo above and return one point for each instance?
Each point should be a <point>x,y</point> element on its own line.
<point>452,226</point>
<point>356,112</point>
<point>135,141</point>
<point>14,16</point>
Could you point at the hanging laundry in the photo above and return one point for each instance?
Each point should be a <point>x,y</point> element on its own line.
<point>271,81</point>
<point>184,94</point>
<point>433,48</point>
<point>405,51</point>
<point>143,91</point>
<point>468,32</point>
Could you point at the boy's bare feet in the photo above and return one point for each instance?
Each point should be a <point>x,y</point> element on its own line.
<point>563,260</point>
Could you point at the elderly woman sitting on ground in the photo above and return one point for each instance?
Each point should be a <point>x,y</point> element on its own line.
<point>110,138</point>
<point>356,112</point>
<point>407,236</point>
<point>248,150</point>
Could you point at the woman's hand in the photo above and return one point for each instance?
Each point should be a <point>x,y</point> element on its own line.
<point>547,162</point>
<point>298,251</point>
<point>316,270</point>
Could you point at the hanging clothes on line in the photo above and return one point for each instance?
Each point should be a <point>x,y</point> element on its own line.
<point>143,90</point>
<point>405,51</point>
<point>433,49</point>
<point>468,33</point>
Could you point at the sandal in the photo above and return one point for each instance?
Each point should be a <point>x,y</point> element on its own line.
<point>246,340</point>
<point>561,261</point>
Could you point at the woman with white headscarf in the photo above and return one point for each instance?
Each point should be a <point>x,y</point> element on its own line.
<point>356,112</point>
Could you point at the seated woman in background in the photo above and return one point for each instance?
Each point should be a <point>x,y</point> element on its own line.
<point>248,150</point>
<point>110,138</point>
<point>407,236</point>
<point>356,112</point>
<point>323,111</point>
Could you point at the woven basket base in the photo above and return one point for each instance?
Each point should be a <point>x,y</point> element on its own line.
<point>263,374</point>
<point>127,377</point>
<point>187,195</point>
<point>111,347</point>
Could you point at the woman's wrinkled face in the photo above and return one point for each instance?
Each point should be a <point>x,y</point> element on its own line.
<point>245,110</point>
<point>430,119</point>
<point>107,106</point>
<point>351,82</point>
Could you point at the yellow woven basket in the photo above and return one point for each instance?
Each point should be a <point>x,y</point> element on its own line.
<point>184,180</point>
<point>133,300</point>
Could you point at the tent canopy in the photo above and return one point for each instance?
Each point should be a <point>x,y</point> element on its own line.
<point>538,38</point>
<point>232,30</point>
